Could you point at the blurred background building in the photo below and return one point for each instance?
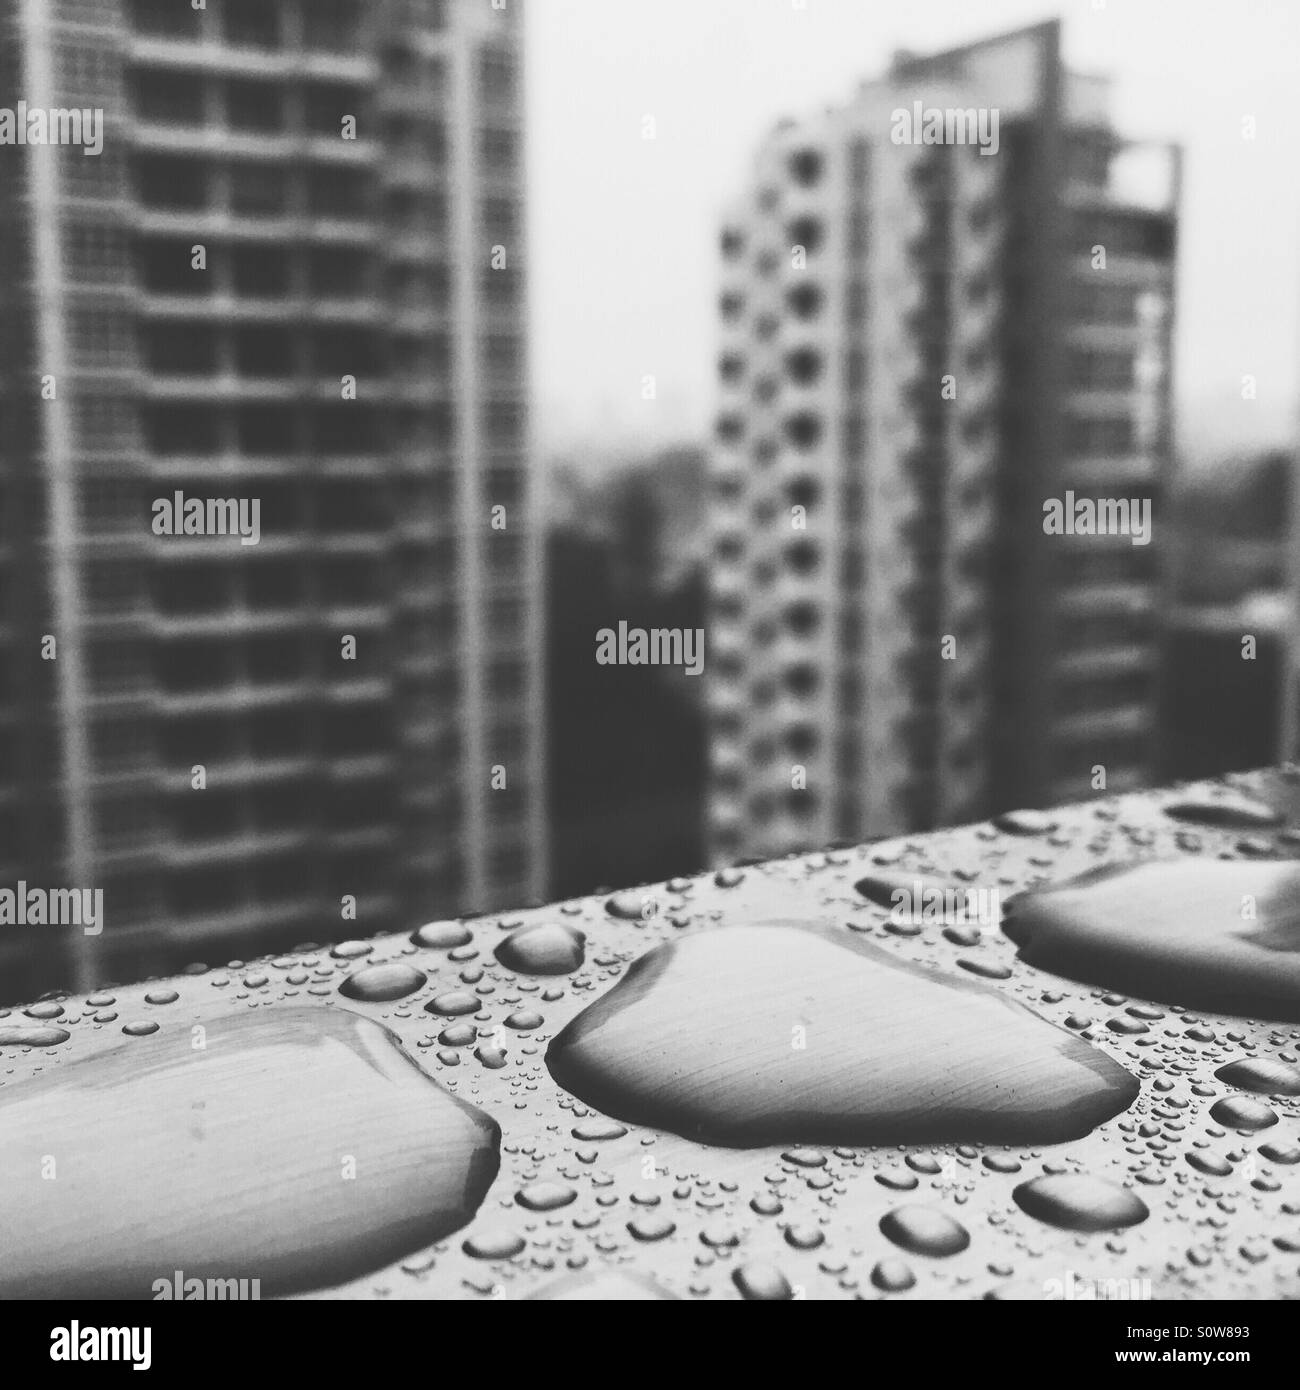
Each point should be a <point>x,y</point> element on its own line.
<point>862,514</point>
<point>294,195</point>
<point>1227,623</point>
<point>627,743</point>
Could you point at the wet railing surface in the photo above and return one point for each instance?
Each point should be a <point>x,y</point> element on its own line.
<point>875,1072</point>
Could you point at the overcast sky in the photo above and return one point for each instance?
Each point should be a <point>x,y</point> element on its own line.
<point>623,228</point>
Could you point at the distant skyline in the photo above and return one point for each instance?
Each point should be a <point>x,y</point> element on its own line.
<point>624,229</point>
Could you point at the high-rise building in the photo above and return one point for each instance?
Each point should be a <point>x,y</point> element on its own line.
<point>923,342</point>
<point>294,276</point>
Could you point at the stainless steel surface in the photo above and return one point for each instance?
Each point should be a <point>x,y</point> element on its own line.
<point>1236,1234</point>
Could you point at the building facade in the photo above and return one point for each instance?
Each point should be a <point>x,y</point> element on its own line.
<point>921,344</point>
<point>295,275</point>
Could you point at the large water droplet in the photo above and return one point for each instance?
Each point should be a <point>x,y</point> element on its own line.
<point>223,1160</point>
<point>773,1032</point>
<point>1209,934</point>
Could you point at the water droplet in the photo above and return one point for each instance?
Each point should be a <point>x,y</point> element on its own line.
<point>629,907</point>
<point>524,1020</point>
<point>924,1231</point>
<point>376,984</point>
<point>1174,932</point>
<point>141,1029</point>
<point>892,1276</point>
<point>1280,1153</point>
<point>351,950</point>
<point>1001,1163</point>
<point>654,1226</point>
<point>442,936</point>
<point>1242,1112</point>
<point>47,1010</point>
<point>1263,1074</point>
<point>804,1237</point>
<point>1025,822</point>
<point>257,1123</point>
<point>454,1003</point>
<point>548,948</point>
<point>458,1035</point>
<point>594,1131</point>
<point>1210,1164</point>
<point>161,996</point>
<point>697,1038</point>
<point>989,970</point>
<point>494,1245</point>
<point>33,1037</point>
<point>545,1196</point>
<point>1226,812</point>
<point>1078,1202</point>
<point>762,1283</point>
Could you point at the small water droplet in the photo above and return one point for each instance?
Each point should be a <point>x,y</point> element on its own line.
<point>1079,1202</point>
<point>547,948</point>
<point>376,984</point>
<point>442,936</point>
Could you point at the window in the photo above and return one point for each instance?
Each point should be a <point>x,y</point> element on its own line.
<point>168,98</point>
<point>166,182</point>
<point>251,23</point>
<point>804,365</point>
<point>256,106</point>
<point>804,429</point>
<point>805,167</point>
<point>331,26</point>
<point>498,73</point>
<point>258,190</point>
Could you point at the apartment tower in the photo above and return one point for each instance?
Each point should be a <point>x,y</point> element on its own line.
<point>295,275</point>
<point>922,344</point>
